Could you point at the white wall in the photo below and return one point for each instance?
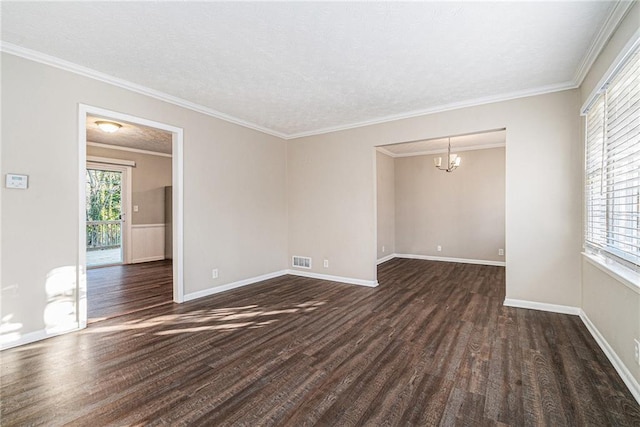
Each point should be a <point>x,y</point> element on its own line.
<point>462,212</point>
<point>147,242</point>
<point>386,204</point>
<point>331,185</point>
<point>234,190</point>
<point>612,307</point>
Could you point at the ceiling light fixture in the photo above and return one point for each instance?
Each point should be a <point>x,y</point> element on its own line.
<point>108,127</point>
<point>453,160</point>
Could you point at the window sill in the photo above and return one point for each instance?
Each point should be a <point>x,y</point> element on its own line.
<point>629,278</point>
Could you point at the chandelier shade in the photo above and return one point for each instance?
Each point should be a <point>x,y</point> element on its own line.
<point>452,160</point>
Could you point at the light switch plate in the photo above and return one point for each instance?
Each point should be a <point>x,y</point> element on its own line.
<point>20,182</point>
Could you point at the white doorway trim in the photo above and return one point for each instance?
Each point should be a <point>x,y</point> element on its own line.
<point>126,203</point>
<point>178,208</point>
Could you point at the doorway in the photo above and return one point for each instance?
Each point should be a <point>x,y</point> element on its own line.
<point>442,199</point>
<point>107,222</point>
<point>105,203</point>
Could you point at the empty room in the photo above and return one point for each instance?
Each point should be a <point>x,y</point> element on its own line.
<point>320,213</point>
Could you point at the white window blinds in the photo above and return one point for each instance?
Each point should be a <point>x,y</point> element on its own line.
<point>612,183</point>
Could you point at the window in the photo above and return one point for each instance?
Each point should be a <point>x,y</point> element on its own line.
<point>612,182</point>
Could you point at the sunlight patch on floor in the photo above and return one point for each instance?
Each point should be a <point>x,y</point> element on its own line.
<point>219,319</point>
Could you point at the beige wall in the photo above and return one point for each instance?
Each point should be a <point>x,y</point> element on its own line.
<point>234,188</point>
<point>386,204</point>
<point>149,177</point>
<point>331,191</point>
<point>462,211</point>
<point>613,308</point>
<point>250,196</point>
<point>327,186</point>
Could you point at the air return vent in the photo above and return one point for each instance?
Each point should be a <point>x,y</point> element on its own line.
<point>301,261</point>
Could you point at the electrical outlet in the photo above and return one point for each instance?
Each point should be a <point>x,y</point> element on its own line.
<point>636,351</point>
<point>439,248</point>
<point>326,263</point>
<point>214,273</point>
<point>500,251</point>
<point>383,249</point>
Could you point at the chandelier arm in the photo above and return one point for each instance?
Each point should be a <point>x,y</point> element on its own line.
<point>451,165</point>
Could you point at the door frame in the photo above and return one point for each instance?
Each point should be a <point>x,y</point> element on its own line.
<point>177,208</point>
<point>125,203</point>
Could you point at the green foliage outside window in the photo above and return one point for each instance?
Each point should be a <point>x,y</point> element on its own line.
<point>104,190</point>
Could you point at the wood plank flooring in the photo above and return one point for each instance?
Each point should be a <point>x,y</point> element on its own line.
<point>124,289</point>
<point>432,345</point>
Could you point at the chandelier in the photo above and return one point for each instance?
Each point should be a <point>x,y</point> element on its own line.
<point>453,160</point>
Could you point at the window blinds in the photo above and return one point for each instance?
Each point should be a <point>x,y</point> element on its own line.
<point>612,182</point>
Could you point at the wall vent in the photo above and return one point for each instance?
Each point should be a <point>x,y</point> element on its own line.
<point>301,261</point>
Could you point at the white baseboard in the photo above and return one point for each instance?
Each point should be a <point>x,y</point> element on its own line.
<point>448,259</point>
<point>385,259</point>
<point>148,259</point>
<point>630,381</point>
<point>36,336</point>
<point>533,305</point>
<point>347,280</point>
<point>217,289</point>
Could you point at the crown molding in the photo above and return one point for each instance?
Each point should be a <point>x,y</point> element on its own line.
<point>134,87</point>
<point>383,150</point>
<point>132,150</point>
<point>45,59</point>
<point>611,23</point>
<point>442,108</point>
<point>457,150</point>
<point>110,161</point>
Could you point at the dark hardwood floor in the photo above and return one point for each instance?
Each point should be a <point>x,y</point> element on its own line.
<point>123,289</point>
<point>432,345</point>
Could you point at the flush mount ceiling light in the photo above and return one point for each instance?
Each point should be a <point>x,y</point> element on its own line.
<point>453,160</point>
<point>108,127</point>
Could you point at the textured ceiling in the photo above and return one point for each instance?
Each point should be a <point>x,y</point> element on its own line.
<point>297,68</point>
<point>130,135</point>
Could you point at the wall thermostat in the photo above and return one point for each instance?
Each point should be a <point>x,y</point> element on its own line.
<point>17,181</point>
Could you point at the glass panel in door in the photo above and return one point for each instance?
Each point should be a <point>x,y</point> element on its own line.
<point>104,217</point>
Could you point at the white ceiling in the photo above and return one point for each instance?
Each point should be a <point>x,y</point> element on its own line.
<point>297,68</point>
<point>130,135</point>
